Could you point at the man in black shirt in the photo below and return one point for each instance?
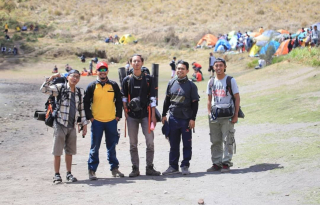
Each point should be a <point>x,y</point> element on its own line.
<point>182,101</point>
<point>173,67</point>
<point>139,104</point>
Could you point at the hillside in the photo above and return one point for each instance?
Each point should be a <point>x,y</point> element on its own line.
<point>161,26</point>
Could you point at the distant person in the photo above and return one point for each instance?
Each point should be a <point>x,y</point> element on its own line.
<point>116,39</point>
<point>85,70</point>
<point>15,50</point>
<point>68,68</point>
<point>91,66</point>
<point>197,66</point>
<point>7,37</point>
<point>31,27</point>
<point>65,134</point>
<point>222,126</point>
<point>249,43</point>
<point>302,30</point>
<point>183,108</point>
<point>24,28</point>
<point>196,76</point>
<point>296,43</point>
<point>18,29</point>
<point>239,46</point>
<point>290,45</point>
<point>173,67</point>
<point>36,28</point>
<point>212,59</point>
<point>6,28</point>
<point>3,49</point>
<point>127,67</point>
<point>315,36</point>
<point>239,34</point>
<point>261,30</point>
<point>55,69</point>
<point>9,51</point>
<point>83,58</point>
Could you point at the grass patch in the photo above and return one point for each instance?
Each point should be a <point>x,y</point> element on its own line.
<point>294,147</point>
<point>253,63</point>
<point>308,56</point>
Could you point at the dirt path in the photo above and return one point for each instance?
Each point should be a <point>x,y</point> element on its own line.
<point>27,167</point>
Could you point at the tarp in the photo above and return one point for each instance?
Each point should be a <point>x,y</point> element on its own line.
<point>282,31</point>
<point>208,40</point>
<point>267,35</point>
<point>222,42</point>
<point>254,34</point>
<point>127,38</point>
<point>254,50</point>
<point>283,48</point>
<point>274,45</point>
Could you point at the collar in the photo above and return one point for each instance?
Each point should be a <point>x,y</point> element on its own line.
<point>102,83</point>
<point>182,80</point>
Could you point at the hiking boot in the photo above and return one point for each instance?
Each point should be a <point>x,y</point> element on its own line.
<point>225,168</point>
<point>116,173</point>
<point>71,178</point>
<point>150,171</point>
<point>185,170</point>
<point>92,175</point>
<point>170,170</point>
<point>135,171</point>
<point>57,178</point>
<point>214,168</point>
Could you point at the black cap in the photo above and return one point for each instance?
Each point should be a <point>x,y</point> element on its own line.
<point>220,60</point>
<point>73,71</point>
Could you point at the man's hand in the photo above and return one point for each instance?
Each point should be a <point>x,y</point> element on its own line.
<point>164,119</point>
<point>118,119</point>
<point>192,124</point>
<point>154,120</point>
<point>234,119</point>
<point>91,120</point>
<point>84,130</point>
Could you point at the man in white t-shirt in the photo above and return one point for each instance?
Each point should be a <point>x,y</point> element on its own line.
<point>212,59</point>
<point>221,128</point>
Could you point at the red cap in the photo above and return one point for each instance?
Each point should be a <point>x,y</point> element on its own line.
<point>101,64</point>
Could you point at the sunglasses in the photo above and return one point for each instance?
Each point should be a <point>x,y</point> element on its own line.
<point>103,69</point>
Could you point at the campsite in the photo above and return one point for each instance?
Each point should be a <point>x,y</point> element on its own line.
<point>277,143</point>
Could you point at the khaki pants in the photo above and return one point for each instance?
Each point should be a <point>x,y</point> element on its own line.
<point>222,139</point>
<point>64,138</point>
<point>133,129</point>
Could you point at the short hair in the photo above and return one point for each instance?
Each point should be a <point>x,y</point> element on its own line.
<point>174,58</point>
<point>136,55</point>
<point>184,63</point>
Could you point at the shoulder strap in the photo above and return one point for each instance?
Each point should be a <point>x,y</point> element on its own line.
<point>229,87</point>
<point>80,98</point>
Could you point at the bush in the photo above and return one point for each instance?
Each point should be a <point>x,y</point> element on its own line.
<point>253,63</point>
<point>16,37</point>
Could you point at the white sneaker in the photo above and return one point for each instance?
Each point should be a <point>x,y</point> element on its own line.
<point>170,170</point>
<point>185,170</point>
<point>92,175</point>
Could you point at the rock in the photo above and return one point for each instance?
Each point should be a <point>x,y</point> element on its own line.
<point>200,201</point>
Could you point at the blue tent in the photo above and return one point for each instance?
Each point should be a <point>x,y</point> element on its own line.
<point>273,44</point>
<point>222,42</point>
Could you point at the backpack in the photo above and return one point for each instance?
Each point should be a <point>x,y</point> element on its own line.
<point>229,89</point>
<point>52,105</point>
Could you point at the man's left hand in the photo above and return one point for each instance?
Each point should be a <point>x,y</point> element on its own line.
<point>154,120</point>
<point>84,130</point>
<point>234,119</point>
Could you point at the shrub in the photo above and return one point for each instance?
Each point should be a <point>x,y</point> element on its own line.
<point>260,12</point>
<point>57,13</point>
<point>253,63</point>
<point>16,37</point>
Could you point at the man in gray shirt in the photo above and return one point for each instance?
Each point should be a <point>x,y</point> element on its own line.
<point>222,128</point>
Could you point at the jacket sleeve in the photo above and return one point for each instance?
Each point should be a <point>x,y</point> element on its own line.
<point>87,100</point>
<point>118,99</point>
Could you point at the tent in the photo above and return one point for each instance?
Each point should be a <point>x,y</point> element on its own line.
<point>127,38</point>
<point>283,48</point>
<point>254,50</point>
<point>233,42</point>
<point>282,31</point>
<point>270,45</point>
<point>231,34</point>
<point>208,40</point>
<point>254,34</point>
<point>222,42</point>
<point>267,35</point>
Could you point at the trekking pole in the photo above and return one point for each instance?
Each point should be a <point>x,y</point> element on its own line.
<point>125,127</point>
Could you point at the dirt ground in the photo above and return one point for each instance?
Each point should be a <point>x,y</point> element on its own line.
<point>27,164</point>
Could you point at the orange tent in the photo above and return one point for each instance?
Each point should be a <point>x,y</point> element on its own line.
<point>208,40</point>
<point>283,48</point>
<point>282,31</point>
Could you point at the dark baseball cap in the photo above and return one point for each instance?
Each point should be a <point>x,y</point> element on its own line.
<point>220,60</point>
